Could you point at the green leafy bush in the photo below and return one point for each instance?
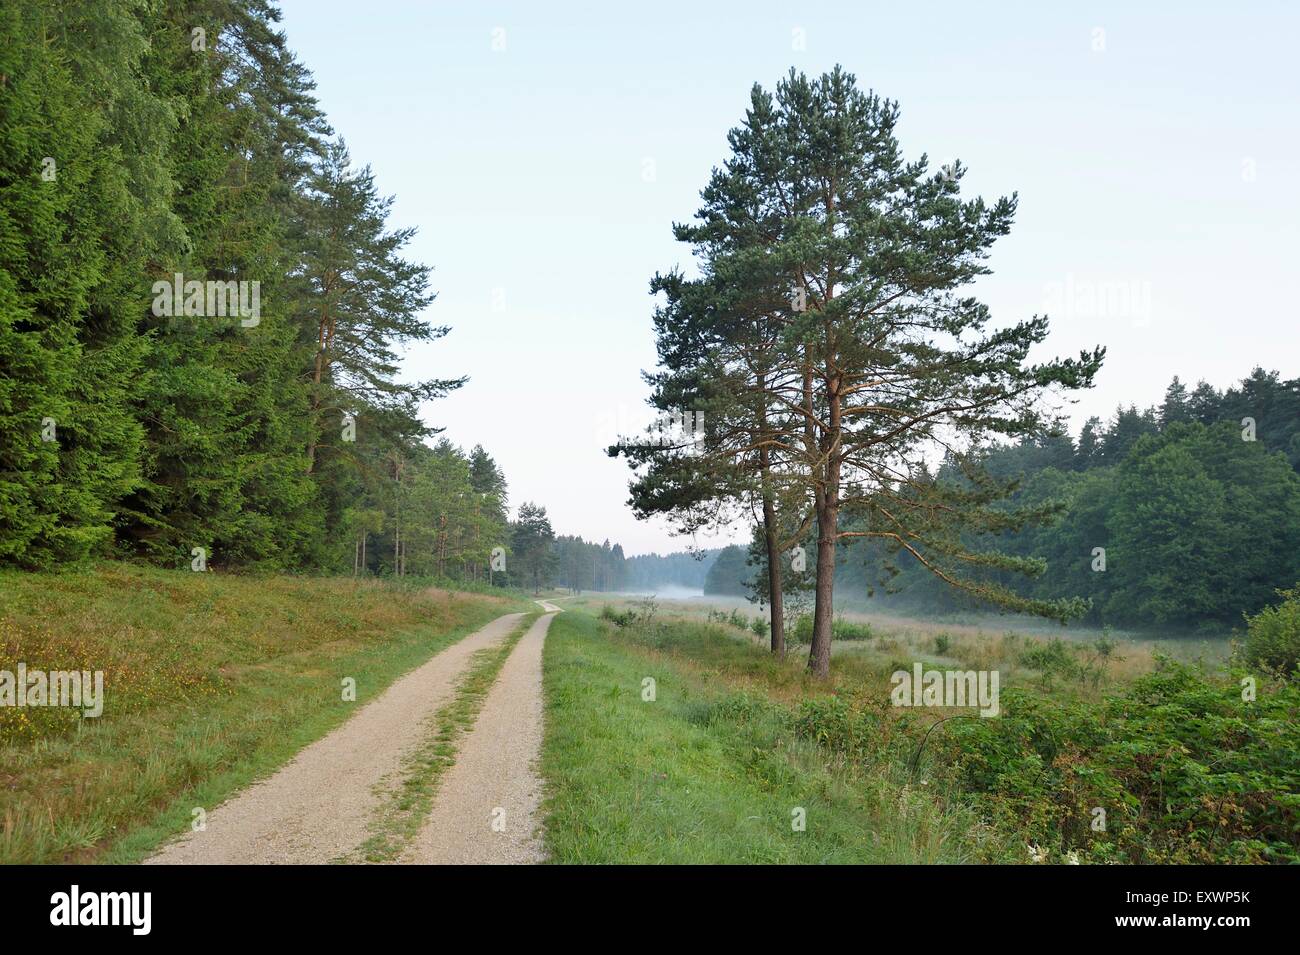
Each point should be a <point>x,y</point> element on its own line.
<point>1049,658</point>
<point>1180,767</point>
<point>848,630</point>
<point>1273,636</point>
<point>732,618</point>
<point>841,629</point>
<point>832,722</point>
<point>620,618</point>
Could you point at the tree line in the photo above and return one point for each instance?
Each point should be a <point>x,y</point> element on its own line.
<point>201,307</point>
<point>1184,515</point>
<point>589,566</point>
<point>1179,516</point>
<point>202,304</point>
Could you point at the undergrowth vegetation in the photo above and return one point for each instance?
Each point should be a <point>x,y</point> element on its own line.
<point>1272,640</point>
<point>1103,752</point>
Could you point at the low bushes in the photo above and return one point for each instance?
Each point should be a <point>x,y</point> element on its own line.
<point>1176,769</point>
<point>1272,640</point>
<point>841,629</point>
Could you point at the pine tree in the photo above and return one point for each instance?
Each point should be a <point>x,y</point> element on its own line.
<point>362,300</point>
<point>893,359</point>
<point>1174,407</point>
<point>532,550</point>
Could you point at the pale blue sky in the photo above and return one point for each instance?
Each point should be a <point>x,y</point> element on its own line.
<point>1158,166</point>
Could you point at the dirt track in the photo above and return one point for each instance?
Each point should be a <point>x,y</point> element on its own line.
<point>486,807</point>
<point>316,808</point>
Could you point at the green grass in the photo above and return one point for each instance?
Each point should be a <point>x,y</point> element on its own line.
<point>704,773</point>
<point>408,801</point>
<point>211,682</point>
<point>1186,768</point>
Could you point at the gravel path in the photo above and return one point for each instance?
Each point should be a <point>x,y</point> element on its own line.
<point>316,808</point>
<point>486,807</point>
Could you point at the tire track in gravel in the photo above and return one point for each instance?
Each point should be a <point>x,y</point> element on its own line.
<point>316,807</point>
<point>485,811</point>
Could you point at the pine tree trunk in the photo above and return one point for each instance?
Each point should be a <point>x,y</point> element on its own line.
<point>775,602</point>
<point>442,546</point>
<point>819,654</point>
<point>775,598</point>
<point>828,512</point>
<point>325,338</point>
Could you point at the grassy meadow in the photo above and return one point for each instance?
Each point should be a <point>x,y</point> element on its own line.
<point>1107,750</point>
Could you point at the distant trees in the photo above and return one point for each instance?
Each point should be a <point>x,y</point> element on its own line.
<point>730,573</point>
<point>583,565</point>
<point>532,551</point>
<point>681,569</point>
<point>1195,524</point>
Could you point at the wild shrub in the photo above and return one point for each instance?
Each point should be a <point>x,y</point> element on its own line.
<point>730,618</point>
<point>1273,637</point>
<point>831,721</point>
<point>1176,769</point>
<point>842,629</point>
<point>620,618</point>
<point>1051,659</point>
<point>801,632</point>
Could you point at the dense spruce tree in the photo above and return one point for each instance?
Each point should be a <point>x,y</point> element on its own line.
<point>83,205</point>
<point>222,399</point>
